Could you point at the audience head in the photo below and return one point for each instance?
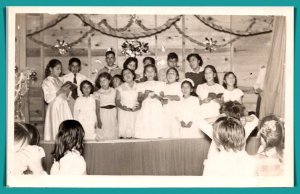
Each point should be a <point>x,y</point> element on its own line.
<point>233,109</point>
<point>69,138</point>
<point>271,130</point>
<point>229,134</point>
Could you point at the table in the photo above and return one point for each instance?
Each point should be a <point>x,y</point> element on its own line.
<point>144,157</point>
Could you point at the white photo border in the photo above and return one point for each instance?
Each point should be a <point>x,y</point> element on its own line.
<point>104,181</point>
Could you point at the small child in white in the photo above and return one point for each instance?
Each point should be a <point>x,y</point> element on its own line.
<point>27,155</point>
<point>189,114</point>
<point>210,93</point>
<point>149,120</point>
<point>127,103</point>
<point>232,159</point>
<point>85,110</point>
<point>68,149</point>
<point>106,107</point>
<point>171,101</point>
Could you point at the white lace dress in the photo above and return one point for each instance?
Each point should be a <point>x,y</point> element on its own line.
<point>150,121</point>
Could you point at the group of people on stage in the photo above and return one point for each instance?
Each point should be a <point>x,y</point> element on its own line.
<point>168,103</point>
<point>119,103</point>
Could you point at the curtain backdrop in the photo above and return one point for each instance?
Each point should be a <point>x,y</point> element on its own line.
<point>273,96</point>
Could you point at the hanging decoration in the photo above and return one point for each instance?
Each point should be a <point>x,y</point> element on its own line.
<point>22,82</point>
<point>210,44</point>
<point>253,21</point>
<point>209,22</point>
<point>133,48</point>
<point>105,28</point>
<point>62,47</point>
<point>127,35</point>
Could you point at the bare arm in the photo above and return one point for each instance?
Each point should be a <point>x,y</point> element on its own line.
<point>118,102</point>
<point>98,114</point>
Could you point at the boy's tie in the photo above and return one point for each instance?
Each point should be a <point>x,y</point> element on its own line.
<point>74,92</point>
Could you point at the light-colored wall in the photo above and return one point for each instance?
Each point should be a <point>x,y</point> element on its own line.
<point>244,56</point>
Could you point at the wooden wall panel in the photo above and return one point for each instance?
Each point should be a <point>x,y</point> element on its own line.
<point>244,56</point>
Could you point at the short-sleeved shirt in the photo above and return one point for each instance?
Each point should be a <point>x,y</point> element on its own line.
<point>204,89</point>
<point>234,95</point>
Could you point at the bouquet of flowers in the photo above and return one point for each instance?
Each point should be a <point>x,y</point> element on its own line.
<point>133,48</point>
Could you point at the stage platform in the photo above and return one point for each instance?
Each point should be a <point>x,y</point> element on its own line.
<point>145,156</point>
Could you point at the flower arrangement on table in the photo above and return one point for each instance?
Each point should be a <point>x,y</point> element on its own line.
<point>133,48</point>
<point>22,82</point>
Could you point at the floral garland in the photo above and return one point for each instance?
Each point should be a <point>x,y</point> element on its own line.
<point>208,22</point>
<point>133,48</point>
<point>120,32</point>
<point>210,46</point>
<point>124,35</point>
<point>22,82</point>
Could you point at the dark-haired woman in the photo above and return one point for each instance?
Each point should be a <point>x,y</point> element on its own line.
<point>55,95</point>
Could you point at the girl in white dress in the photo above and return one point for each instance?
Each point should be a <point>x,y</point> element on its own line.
<point>210,93</point>
<point>188,113</point>
<point>27,157</point>
<point>231,92</point>
<point>68,149</point>
<point>55,95</point>
<point>127,103</point>
<point>172,95</point>
<point>150,122</point>
<point>105,101</point>
<point>85,110</point>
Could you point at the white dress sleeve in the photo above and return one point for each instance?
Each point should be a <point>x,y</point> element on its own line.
<point>49,91</point>
<point>240,93</point>
<point>77,108</point>
<point>198,90</point>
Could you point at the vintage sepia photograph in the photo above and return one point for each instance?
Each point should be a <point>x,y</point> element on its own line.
<point>150,97</point>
